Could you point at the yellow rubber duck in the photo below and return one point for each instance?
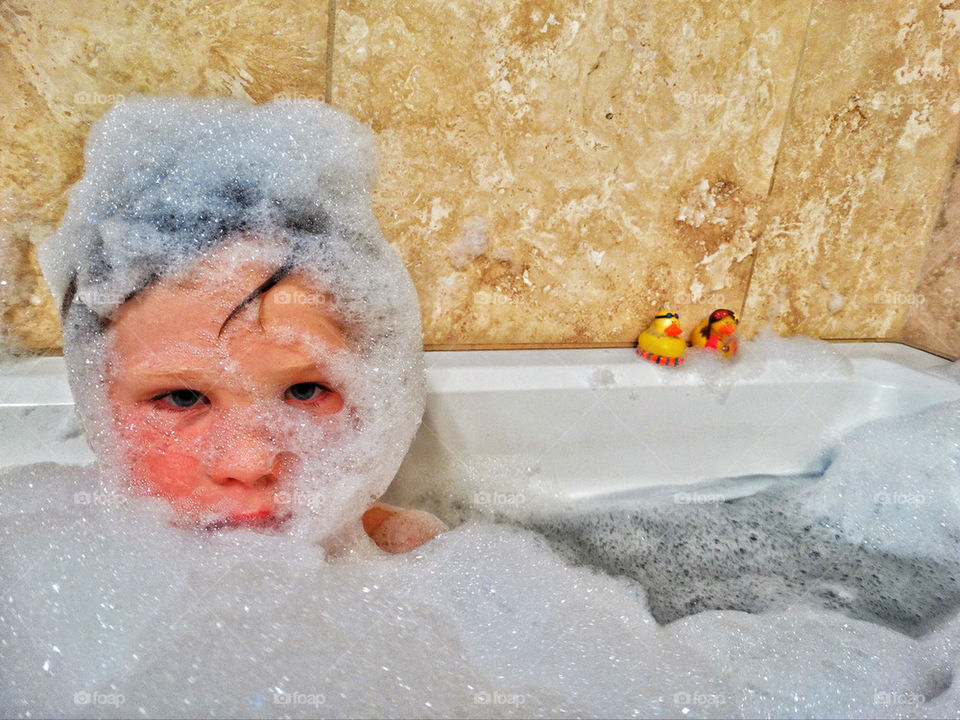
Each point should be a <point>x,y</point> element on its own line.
<point>718,333</point>
<point>661,343</point>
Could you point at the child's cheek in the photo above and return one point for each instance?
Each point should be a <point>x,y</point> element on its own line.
<point>169,475</point>
<point>163,456</point>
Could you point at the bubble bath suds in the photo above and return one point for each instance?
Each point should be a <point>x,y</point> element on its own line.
<point>175,186</point>
<point>833,596</point>
<point>838,602</point>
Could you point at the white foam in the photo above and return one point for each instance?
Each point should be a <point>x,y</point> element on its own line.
<point>797,357</point>
<point>895,484</point>
<point>171,183</point>
<point>109,611</point>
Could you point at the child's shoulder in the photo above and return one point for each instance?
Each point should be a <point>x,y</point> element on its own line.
<point>397,530</point>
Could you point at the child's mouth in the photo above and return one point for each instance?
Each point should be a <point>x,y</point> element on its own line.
<point>259,520</point>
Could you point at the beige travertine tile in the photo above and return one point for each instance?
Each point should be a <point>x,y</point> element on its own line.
<point>933,319</point>
<point>870,139</point>
<point>63,64</point>
<point>555,172</point>
<point>559,171</point>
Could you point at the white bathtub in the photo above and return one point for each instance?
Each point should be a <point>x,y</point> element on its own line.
<point>590,422</point>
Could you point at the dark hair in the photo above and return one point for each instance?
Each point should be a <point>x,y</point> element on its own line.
<point>716,315</point>
<point>209,232</point>
<point>277,276</point>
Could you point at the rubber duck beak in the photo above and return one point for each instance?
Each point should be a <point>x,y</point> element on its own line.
<point>673,330</point>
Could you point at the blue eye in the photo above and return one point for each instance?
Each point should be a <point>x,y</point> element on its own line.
<point>304,392</point>
<point>183,399</point>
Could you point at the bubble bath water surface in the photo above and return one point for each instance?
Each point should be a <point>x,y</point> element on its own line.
<point>838,602</point>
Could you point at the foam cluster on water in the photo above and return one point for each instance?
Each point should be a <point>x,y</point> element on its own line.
<point>876,536</point>
<point>108,611</point>
<point>894,485</point>
<point>167,184</point>
<point>785,358</point>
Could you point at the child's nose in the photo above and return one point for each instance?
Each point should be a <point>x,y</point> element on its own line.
<point>249,458</point>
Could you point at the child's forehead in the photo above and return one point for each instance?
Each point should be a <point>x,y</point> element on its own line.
<point>293,305</point>
<point>186,316</point>
<point>229,274</point>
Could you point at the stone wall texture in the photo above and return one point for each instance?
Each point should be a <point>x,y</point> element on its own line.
<point>555,173</point>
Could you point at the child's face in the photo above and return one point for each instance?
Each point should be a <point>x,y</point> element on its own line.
<point>193,405</point>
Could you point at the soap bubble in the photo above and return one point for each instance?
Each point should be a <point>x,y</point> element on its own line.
<point>172,183</point>
<point>108,611</point>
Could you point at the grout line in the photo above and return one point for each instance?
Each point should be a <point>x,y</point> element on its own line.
<point>465,347</point>
<point>934,220</point>
<point>460,347</point>
<point>331,43</point>
<point>776,161</point>
<point>791,103</point>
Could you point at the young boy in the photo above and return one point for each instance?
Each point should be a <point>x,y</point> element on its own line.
<point>241,339</point>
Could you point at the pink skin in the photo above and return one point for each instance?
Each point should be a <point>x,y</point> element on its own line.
<point>188,400</point>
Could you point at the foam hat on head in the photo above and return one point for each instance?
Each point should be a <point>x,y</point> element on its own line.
<point>167,180</point>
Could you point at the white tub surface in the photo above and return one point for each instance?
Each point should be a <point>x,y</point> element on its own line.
<point>593,422</point>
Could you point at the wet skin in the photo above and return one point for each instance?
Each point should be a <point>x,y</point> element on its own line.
<point>190,399</point>
<point>189,394</point>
